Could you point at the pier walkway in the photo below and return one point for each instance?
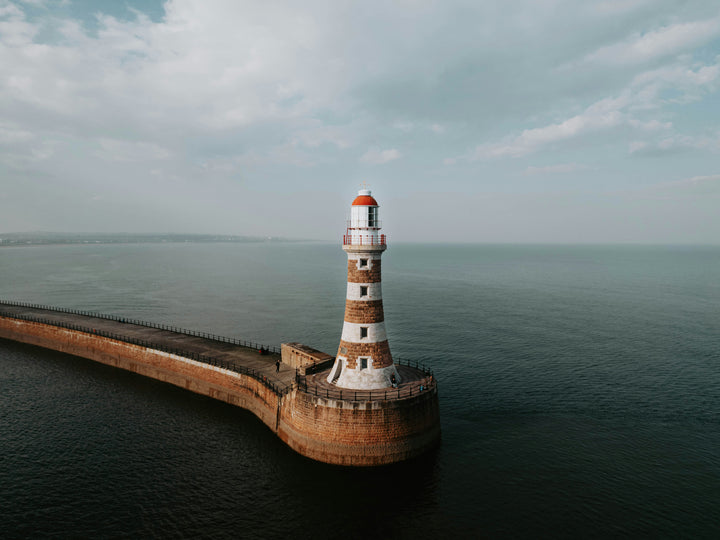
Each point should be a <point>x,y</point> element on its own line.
<point>229,353</point>
<point>207,348</point>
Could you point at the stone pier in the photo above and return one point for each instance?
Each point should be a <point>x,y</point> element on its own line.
<point>313,417</point>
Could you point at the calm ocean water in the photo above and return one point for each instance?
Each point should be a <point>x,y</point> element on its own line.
<point>580,395</point>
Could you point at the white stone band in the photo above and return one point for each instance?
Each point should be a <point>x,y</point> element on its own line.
<point>374,291</point>
<point>375,332</point>
<point>373,256</point>
<point>363,379</point>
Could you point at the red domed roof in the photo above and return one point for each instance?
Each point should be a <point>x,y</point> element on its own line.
<point>364,200</point>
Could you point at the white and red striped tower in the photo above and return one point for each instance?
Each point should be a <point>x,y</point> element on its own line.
<point>364,360</point>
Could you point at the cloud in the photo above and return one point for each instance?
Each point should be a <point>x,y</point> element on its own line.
<point>678,83</point>
<point>244,96</point>
<point>10,134</point>
<point>636,146</point>
<point>407,127</point>
<point>378,157</point>
<point>531,140</point>
<point>560,168</point>
<point>119,150</point>
<point>645,91</point>
<point>691,187</point>
<point>15,31</point>
<point>615,7</point>
<point>697,180</point>
<point>314,134</point>
<point>650,125</point>
<point>665,41</point>
<point>675,144</point>
<point>221,71</point>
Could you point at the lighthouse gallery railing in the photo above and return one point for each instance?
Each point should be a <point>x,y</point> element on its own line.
<point>364,240</point>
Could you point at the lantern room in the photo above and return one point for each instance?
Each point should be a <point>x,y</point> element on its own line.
<point>364,222</point>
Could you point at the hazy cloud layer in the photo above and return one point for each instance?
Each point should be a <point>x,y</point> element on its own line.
<point>546,122</point>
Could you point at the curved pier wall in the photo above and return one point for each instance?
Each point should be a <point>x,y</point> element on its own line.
<point>224,385</point>
<point>340,432</point>
<point>360,433</point>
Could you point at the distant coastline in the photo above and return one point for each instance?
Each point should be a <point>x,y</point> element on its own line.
<point>47,238</point>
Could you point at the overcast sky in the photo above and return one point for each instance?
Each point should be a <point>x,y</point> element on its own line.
<point>471,121</point>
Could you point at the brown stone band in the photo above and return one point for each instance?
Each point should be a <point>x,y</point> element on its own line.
<point>369,275</point>
<point>380,353</point>
<point>359,311</point>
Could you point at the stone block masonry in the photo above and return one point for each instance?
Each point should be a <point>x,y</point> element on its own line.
<point>353,433</point>
<point>378,351</point>
<point>362,275</point>
<point>364,312</point>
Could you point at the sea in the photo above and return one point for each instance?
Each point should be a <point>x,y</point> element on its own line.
<point>579,395</point>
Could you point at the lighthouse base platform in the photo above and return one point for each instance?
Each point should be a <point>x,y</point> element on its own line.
<point>363,427</point>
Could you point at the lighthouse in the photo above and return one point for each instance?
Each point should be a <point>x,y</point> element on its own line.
<point>363,360</point>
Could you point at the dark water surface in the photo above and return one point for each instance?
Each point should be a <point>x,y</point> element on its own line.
<point>580,395</point>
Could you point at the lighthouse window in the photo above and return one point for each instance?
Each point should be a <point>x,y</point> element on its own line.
<point>363,332</point>
<point>363,363</point>
<point>363,290</point>
<point>372,217</point>
<point>363,263</point>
